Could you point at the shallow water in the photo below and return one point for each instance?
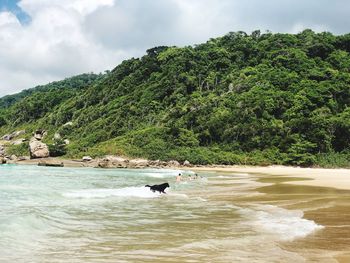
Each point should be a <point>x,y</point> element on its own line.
<point>95,215</point>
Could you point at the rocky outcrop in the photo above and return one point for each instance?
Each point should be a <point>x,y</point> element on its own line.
<point>9,137</point>
<point>2,160</point>
<point>38,149</point>
<point>138,163</point>
<point>111,161</point>
<point>173,163</point>
<point>18,142</point>
<point>51,163</point>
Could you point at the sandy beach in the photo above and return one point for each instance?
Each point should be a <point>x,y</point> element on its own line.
<point>336,178</point>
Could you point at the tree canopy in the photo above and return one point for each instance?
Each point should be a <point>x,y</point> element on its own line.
<point>261,98</point>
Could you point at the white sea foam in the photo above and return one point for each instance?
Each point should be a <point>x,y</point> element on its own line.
<point>141,192</point>
<point>233,176</point>
<point>155,175</point>
<point>224,177</point>
<point>241,174</point>
<point>285,224</point>
<point>164,173</point>
<point>178,195</point>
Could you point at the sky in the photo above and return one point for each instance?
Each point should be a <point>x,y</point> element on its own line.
<point>47,40</point>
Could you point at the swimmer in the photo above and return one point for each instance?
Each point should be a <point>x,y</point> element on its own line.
<point>178,178</point>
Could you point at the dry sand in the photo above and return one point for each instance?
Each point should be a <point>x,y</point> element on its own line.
<point>336,178</point>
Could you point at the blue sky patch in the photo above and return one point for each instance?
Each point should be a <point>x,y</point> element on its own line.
<point>11,5</point>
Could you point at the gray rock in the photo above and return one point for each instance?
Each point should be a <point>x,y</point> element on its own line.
<point>39,134</point>
<point>66,141</point>
<point>87,158</point>
<point>7,137</point>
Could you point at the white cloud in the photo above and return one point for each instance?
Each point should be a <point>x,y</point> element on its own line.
<point>52,46</point>
<point>8,19</point>
<point>68,37</point>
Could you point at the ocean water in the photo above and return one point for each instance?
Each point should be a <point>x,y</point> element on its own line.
<point>95,215</point>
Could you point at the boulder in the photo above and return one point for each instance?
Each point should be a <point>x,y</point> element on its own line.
<point>38,149</point>
<point>186,163</point>
<point>39,134</point>
<point>87,158</point>
<point>102,164</point>
<point>2,160</point>
<point>57,136</point>
<point>66,141</point>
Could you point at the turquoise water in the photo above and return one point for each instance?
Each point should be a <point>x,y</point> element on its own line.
<point>95,215</point>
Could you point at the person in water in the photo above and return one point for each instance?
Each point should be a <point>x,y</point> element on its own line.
<point>178,178</point>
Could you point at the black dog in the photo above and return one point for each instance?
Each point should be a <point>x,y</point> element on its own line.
<point>158,187</point>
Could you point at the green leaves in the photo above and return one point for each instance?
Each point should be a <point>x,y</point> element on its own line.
<point>250,99</point>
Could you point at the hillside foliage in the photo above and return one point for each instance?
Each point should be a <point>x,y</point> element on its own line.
<point>258,98</point>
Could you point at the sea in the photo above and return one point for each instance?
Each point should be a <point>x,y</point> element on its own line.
<point>50,214</point>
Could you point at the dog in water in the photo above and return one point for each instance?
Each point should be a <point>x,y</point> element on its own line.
<point>158,187</point>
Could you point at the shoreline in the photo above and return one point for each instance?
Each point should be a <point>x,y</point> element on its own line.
<point>338,178</point>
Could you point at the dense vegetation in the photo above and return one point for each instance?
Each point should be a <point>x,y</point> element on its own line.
<point>251,99</point>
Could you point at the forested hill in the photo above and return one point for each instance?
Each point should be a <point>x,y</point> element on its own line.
<point>252,99</point>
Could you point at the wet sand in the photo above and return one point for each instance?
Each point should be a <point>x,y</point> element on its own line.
<point>298,189</point>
